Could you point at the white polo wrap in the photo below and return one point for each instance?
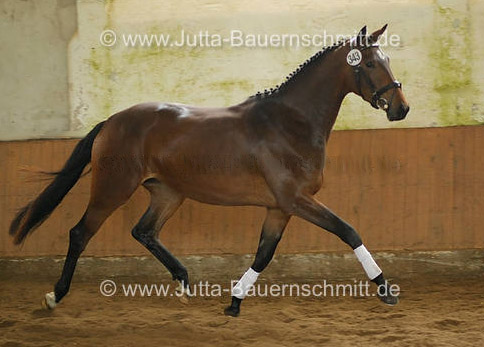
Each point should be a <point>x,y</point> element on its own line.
<point>369,265</point>
<point>246,281</point>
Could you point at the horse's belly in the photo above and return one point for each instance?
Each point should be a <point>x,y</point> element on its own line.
<point>235,189</point>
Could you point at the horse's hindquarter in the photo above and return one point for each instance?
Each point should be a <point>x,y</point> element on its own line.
<point>206,155</point>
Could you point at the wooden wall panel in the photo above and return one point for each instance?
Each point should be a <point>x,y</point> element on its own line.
<point>414,189</point>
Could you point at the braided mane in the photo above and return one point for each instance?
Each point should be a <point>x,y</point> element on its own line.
<point>296,73</point>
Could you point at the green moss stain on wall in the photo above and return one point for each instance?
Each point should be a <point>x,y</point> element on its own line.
<point>162,73</point>
<point>452,57</point>
<point>101,75</point>
<point>438,62</point>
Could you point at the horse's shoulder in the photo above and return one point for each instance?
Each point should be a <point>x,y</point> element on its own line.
<point>272,116</point>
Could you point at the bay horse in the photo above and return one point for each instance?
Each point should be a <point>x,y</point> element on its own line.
<point>267,151</point>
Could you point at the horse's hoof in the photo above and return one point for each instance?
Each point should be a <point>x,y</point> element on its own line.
<point>389,299</point>
<point>49,301</point>
<point>183,299</point>
<point>183,293</point>
<point>232,311</point>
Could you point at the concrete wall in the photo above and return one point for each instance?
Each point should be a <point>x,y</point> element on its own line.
<point>34,93</point>
<point>58,80</point>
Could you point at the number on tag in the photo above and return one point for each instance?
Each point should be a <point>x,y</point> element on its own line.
<point>354,57</point>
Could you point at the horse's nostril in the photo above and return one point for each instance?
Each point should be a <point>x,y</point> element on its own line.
<point>404,110</point>
<point>400,113</point>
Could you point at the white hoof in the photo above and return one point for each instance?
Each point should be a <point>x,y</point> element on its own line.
<point>49,301</point>
<point>183,299</point>
<point>183,293</point>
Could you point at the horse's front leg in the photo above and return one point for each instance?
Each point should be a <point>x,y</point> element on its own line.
<point>272,230</point>
<point>315,212</point>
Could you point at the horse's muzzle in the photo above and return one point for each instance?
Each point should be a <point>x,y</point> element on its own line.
<point>399,114</point>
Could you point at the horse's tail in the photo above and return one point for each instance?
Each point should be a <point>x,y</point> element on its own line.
<point>37,211</point>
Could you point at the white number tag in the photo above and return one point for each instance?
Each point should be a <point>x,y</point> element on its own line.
<point>354,57</point>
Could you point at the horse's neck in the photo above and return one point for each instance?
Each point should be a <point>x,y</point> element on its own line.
<point>318,95</point>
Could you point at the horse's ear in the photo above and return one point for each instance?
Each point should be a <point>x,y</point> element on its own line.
<point>361,37</point>
<point>373,38</point>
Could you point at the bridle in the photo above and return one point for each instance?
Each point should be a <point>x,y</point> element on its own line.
<point>377,100</point>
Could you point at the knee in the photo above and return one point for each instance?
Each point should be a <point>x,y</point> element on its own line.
<point>139,235</point>
<point>143,235</point>
<point>271,238</point>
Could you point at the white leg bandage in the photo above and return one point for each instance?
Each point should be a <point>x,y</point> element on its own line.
<point>365,258</point>
<point>246,281</point>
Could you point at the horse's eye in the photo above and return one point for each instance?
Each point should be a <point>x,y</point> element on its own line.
<point>370,64</point>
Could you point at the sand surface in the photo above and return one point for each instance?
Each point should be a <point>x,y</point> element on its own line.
<point>431,312</point>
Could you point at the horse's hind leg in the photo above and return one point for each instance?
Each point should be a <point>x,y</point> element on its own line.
<point>109,190</point>
<point>164,202</point>
<point>274,226</point>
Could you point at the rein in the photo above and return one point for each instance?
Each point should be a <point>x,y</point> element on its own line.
<point>377,100</point>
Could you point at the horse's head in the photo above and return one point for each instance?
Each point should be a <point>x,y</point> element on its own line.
<point>371,76</point>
